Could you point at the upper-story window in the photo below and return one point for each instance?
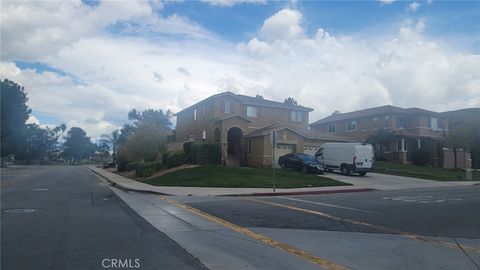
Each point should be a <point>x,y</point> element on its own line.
<point>433,123</point>
<point>296,116</point>
<point>228,108</point>
<point>332,128</point>
<point>400,123</point>
<point>352,126</point>
<point>375,122</point>
<point>252,111</point>
<point>194,114</point>
<point>386,123</point>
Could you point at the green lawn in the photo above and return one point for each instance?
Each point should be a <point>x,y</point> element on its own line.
<point>241,177</point>
<point>422,172</point>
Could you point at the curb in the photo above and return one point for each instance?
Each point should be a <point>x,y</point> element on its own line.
<point>314,192</point>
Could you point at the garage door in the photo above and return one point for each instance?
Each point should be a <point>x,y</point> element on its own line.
<point>283,149</point>
<point>311,150</point>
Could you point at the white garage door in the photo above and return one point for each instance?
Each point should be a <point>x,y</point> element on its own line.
<point>283,149</point>
<point>311,150</point>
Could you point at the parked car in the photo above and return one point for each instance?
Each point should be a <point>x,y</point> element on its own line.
<point>303,162</point>
<point>347,157</point>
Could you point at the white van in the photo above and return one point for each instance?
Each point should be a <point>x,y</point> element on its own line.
<point>347,157</point>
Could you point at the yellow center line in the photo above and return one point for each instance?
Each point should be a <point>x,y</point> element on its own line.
<point>260,237</point>
<point>361,223</point>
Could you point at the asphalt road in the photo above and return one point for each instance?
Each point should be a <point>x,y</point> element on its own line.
<point>66,218</point>
<point>445,212</point>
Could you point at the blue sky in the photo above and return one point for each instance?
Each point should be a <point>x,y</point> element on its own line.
<point>93,62</point>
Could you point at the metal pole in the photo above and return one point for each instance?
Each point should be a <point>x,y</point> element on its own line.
<point>273,157</point>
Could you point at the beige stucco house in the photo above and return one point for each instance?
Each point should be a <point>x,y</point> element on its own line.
<point>243,126</point>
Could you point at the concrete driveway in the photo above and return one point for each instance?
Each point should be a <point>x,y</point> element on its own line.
<point>394,182</point>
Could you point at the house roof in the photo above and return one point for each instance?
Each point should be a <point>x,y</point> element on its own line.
<point>371,112</point>
<point>232,116</point>
<point>254,101</point>
<point>309,134</point>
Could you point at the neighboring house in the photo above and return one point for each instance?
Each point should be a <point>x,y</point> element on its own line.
<point>243,126</point>
<point>413,128</point>
<point>463,158</point>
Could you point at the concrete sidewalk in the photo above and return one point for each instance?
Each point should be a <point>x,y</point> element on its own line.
<point>130,184</point>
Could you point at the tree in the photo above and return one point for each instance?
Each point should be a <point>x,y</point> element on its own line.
<point>466,136</point>
<point>114,139</point>
<point>14,114</point>
<point>381,137</point>
<point>151,117</point>
<point>125,132</point>
<point>39,144</point>
<point>291,101</point>
<point>145,144</point>
<point>77,145</point>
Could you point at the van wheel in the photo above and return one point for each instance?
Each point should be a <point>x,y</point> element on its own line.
<point>345,170</point>
<point>284,166</point>
<point>304,169</point>
<point>362,173</point>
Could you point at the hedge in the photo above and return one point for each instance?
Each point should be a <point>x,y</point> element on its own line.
<point>202,152</point>
<point>121,164</point>
<point>132,166</point>
<point>175,158</point>
<point>148,168</point>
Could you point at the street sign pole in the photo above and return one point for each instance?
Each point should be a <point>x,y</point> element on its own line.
<point>274,142</point>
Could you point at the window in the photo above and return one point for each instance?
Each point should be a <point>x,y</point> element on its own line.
<point>433,123</point>
<point>352,126</point>
<point>375,123</point>
<point>249,147</point>
<point>296,116</point>
<point>252,111</point>
<point>331,128</point>
<point>228,109</point>
<point>419,144</point>
<point>386,123</point>
<point>204,135</point>
<point>387,148</point>
<point>194,114</point>
<point>400,122</point>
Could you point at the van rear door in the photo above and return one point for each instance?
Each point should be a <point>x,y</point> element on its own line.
<point>364,154</point>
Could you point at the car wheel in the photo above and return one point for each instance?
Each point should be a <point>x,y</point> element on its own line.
<point>345,170</point>
<point>304,169</point>
<point>362,173</point>
<point>284,166</point>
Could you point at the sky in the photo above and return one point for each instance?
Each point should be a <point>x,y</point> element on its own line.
<point>88,63</point>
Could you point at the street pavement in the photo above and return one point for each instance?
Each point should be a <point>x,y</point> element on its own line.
<point>65,217</point>
<point>79,220</point>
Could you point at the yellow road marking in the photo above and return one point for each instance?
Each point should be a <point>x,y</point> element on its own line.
<point>260,237</point>
<point>377,227</point>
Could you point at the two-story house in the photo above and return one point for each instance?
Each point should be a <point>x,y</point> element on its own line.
<point>413,128</point>
<point>243,126</point>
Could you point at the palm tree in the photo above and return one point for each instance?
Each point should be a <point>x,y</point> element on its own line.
<point>113,138</point>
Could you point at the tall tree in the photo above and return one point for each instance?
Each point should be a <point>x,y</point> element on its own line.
<point>14,114</point>
<point>114,139</point>
<point>291,101</point>
<point>39,144</point>
<point>143,145</point>
<point>77,145</point>
<point>151,117</point>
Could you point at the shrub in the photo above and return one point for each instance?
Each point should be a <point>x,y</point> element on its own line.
<point>132,166</point>
<point>122,164</point>
<point>420,157</point>
<point>202,153</point>
<point>175,159</point>
<point>148,168</point>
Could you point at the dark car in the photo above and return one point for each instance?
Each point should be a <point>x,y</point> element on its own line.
<point>303,162</point>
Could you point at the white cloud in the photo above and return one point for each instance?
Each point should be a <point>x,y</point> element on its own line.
<point>147,67</point>
<point>230,3</point>
<point>413,6</point>
<point>386,2</point>
<point>283,26</point>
